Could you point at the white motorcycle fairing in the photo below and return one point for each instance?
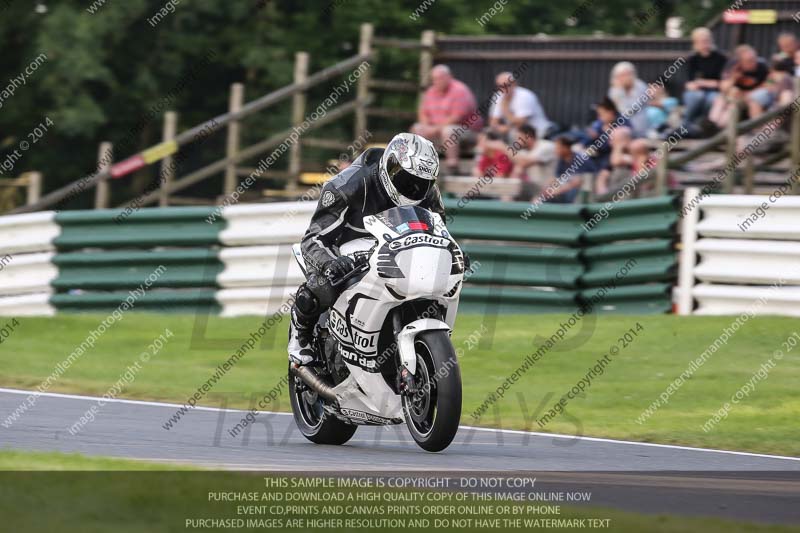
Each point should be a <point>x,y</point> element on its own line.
<point>404,266</point>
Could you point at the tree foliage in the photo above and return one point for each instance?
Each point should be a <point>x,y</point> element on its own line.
<point>105,69</point>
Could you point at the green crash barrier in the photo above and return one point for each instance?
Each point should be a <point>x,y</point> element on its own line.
<point>502,221</point>
<point>629,263</point>
<point>628,245</point>
<point>518,265</point>
<point>129,269</point>
<point>630,299</point>
<point>516,300</point>
<point>145,228</point>
<point>176,301</point>
<point>632,219</point>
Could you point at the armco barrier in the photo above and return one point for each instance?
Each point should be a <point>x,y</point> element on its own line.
<point>740,253</point>
<point>237,260</point>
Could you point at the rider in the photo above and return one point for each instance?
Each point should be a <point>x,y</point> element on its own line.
<point>403,174</point>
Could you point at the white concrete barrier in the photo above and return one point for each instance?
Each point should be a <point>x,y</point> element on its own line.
<point>259,266</point>
<point>737,216</point>
<point>260,301</point>
<point>30,232</point>
<point>743,262</point>
<point>27,305</point>
<point>735,300</point>
<point>749,255</point>
<point>27,273</point>
<point>278,223</point>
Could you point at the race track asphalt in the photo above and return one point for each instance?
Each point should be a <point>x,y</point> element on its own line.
<point>642,477</point>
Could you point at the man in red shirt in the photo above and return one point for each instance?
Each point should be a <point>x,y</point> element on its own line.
<point>447,114</point>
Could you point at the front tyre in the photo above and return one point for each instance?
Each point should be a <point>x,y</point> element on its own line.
<point>314,423</point>
<point>434,411</point>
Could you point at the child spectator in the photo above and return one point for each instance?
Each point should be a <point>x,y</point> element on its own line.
<point>658,111</point>
<point>494,161</point>
<point>599,134</point>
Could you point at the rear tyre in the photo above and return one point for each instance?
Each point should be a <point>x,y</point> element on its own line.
<point>314,423</point>
<point>434,411</point>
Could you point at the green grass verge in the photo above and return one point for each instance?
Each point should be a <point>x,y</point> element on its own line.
<point>764,421</point>
<point>131,500</point>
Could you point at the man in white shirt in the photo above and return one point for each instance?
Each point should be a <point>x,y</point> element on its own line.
<point>514,106</point>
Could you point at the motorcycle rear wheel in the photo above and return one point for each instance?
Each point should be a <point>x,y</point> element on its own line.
<point>434,411</point>
<point>313,422</point>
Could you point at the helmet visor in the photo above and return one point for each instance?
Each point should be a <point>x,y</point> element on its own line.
<point>411,186</point>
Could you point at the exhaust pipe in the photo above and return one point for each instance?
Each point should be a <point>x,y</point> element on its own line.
<point>313,381</point>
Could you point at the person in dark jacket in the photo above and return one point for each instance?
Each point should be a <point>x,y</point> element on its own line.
<point>402,174</point>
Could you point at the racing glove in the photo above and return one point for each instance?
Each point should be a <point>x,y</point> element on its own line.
<point>339,267</point>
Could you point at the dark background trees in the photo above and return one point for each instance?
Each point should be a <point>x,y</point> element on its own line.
<point>106,69</point>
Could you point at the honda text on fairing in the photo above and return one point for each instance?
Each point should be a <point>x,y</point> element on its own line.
<point>384,354</point>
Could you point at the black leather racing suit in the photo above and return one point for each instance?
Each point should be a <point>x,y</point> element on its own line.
<point>345,200</point>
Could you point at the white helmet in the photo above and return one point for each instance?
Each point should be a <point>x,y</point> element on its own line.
<point>408,168</point>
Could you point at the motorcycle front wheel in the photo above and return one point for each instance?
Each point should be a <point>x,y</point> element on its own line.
<point>433,412</point>
<point>314,423</point>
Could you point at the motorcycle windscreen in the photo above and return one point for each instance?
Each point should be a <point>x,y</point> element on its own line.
<point>409,218</point>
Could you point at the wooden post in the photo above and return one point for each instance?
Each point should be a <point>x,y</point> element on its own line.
<point>298,115</point>
<point>167,171</point>
<point>662,170</point>
<point>362,89</point>
<point>794,140</point>
<point>34,187</point>
<point>105,157</point>
<point>428,40</point>
<point>749,175</point>
<point>730,152</point>
<point>234,136</point>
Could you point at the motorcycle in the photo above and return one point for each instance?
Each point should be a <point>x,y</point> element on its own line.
<point>384,354</point>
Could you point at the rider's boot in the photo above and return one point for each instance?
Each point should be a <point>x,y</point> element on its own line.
<point>301,339</point>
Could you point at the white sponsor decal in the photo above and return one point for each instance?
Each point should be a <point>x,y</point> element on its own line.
<point>367,363</point>
<point>328,198</point>
<point>360,415</point>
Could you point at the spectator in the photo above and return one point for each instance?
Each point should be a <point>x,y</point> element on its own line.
<point>629,94</point>
<point>797,64</point>
<point>444,111</point>
<point>566,184</point>
<point>788,46</point>
<point>659,111</point>
<point>534,162</point>
<point>494,160</point>
<point>777,89</point>
<point>629,158</point>
<point>598,136</point>
<point>704,68</point>
<point>514,106</point>
<point>745,73</point>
